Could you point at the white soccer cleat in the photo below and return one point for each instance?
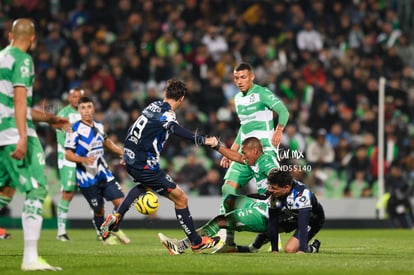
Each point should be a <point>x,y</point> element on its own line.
<point>40,265</point>
<point>111,240</point>
<point>122,237</point>
<point>172,245</point>
<point>63,238</point>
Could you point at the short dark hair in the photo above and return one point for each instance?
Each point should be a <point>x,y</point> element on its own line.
<point>243,66</point>
<point>85,99</point>
<point>254,142</point>
<point>175,89</point>
<point>279,177</point>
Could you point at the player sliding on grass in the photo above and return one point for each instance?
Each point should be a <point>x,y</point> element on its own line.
<point>288,205</point>
<point>143,145</point>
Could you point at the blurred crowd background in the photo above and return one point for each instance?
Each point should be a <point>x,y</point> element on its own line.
<point>323,58</point>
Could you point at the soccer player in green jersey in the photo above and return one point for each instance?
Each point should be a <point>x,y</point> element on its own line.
<point>288,205</point>
<point>22,159</point>
<point>252,155</point>
<point>254,106</point>
<point>67,169</point>
<point>258,162</point>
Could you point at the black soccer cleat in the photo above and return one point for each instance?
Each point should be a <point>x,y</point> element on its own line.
<point>314,247</point>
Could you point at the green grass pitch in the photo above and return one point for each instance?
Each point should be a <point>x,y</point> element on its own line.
<point>366,251</point>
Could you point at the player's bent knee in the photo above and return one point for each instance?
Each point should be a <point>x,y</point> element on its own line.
<point>39,193</point>
<point>7,191</point>
<point>228,201</point>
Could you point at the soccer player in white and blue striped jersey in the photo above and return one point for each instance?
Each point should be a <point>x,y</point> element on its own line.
<point>85,146</point>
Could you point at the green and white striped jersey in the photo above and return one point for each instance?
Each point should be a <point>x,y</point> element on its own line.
<point>72,115</point>
<point>255,111</point>
<point>16,69</point>
<point>266,162</point>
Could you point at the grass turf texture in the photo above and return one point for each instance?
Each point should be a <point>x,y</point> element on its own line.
<point>342,252</point>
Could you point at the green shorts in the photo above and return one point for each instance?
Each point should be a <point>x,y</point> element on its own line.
<point>239,173</point>
<point>25,175</point>
<point>67,178</point>
<point>249,215</point>
<point>67,172</point>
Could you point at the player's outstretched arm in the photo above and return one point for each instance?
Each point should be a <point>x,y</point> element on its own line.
<point>228,153</point>
<point>178,130</point>
<point>53,120</point>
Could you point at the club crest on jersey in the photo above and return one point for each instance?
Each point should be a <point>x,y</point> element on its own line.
<point>252,98</point>
<point>25,71</point>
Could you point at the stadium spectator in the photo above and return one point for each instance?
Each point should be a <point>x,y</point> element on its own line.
<point>213,95</point>
<point>314,74</point>
<point>52,84</point>
<point>166,46</point>
<point>335,134</point>
<point>215,42</point>
<point>115,117</point>
<point>309,39</point>
<point>54,42</point>
<point>292,139</point>
<point>359,179</point>
<point>211,183</point>
<point>319,153</point>
<point>405,50</point>
<point>192,174</point>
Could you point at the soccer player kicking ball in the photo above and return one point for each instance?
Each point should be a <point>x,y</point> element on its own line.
<point>143,144</point>
<point>288,205</point>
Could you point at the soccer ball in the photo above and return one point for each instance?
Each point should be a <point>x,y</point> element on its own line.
<point>147,203</point>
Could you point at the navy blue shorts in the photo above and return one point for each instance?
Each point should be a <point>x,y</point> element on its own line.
<point>315,224</point>
<point>159,181</point>
<point>95,194</point>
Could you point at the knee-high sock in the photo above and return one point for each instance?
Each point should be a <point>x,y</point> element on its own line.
<point>128,201</point>
<point>98,220</point>
<point>4,201</point>
<point>186,221</point>
<point>227,189</point>
<point>62,216</point>
<point>32,224</point>
<point>210,228</point>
